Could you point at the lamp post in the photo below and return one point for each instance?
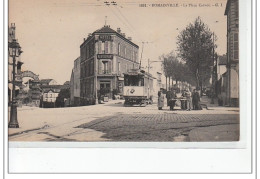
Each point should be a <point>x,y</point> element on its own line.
<point>14,50</point>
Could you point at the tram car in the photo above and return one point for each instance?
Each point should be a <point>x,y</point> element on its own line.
<point>138,88</point>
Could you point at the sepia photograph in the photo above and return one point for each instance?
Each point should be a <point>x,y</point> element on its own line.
<point>128,86</point>
<point>123,71</point>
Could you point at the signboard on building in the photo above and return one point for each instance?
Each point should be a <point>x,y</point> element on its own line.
<point>105,37</point>
<point>105,56</point>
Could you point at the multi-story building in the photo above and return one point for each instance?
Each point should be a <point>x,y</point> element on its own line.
<point>75,84</point>
<point>50,95</point>
<point>232,13</point>
<point>105,55</point>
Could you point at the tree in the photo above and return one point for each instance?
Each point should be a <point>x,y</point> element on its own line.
<point>64,94</point>
<point>195,47</point>
<point>166,67</point>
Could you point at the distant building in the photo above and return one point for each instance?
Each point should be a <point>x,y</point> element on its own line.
<point>221,66</point>
<point>232,13</point>
<point>158,85</point>
<point>75,84</point>
<point>50,95</point>
<point>45,82</point>
<point>50,91</point>
<point>105,55</point>
<point>221,84</point>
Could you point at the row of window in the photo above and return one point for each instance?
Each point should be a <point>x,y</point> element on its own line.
<point>122,50</point>
<point>50,99</point>
<point>128,53</point>
<point>87,51</point>
<point>87,88</point>
<point>87,68</point>
<point>50,95</point>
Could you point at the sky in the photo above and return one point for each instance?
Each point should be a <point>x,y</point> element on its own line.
<point>50,32</point>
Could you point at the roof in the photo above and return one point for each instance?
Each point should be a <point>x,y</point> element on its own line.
<point>134,72</point>
<point>67,83</point>
<point>222,60</point>
<point>51,89</point>
<point>45,80</point>
<point>107,29</point>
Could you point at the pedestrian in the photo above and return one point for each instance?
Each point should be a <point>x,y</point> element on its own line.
<point>196,99</point>
<point>168,97</point>
<point>184,101</point>
<point>172,100</point>
<point>193,97</point>
<point>160,100</point>
<point>188,97</point>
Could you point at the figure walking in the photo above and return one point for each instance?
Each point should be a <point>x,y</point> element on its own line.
<point>188,97</point>
<point>160,100</point>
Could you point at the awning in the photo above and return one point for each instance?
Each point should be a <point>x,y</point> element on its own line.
<point>10,86</point>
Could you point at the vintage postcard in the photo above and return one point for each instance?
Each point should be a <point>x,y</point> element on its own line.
<point>123,71</point>
<point>128,74</point>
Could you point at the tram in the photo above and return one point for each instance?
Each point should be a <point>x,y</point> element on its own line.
<point>138,87</point>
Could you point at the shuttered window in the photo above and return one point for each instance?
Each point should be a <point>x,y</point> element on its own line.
<point>236,47</point>
<point>106,47</point>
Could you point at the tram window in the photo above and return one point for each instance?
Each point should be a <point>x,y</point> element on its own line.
<point>141,82</point>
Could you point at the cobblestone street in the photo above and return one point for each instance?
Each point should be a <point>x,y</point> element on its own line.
<point>114,122</point>
<point>160,127</point>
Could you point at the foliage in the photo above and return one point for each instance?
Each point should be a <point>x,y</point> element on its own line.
<point>64,94</point>
<point>176,69</point>
<point>195,47</point>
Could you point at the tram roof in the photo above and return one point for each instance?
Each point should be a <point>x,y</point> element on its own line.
<point>135,72</point>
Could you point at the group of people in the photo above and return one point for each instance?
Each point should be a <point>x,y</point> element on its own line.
<point>189,100</point>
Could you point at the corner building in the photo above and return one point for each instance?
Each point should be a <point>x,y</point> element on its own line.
<point>105,56</point>
<point>232,13</point>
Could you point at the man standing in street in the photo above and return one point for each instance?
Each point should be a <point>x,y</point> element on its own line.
<point>172,99</point>
<point>195,100</point>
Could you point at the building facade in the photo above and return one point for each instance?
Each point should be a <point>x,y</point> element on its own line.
<point>105,55</point>
<point>50,95</point>
<point>232,13</point>
<point>75,84</point>
<point>221,83</point>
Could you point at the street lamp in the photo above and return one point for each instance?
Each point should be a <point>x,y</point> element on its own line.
<point>14,50</point>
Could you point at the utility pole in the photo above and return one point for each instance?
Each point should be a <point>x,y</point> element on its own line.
<point>213,76</point>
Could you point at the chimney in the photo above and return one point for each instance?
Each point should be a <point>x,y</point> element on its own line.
<point>119,30</point>
<point>84,40</point>
<point>129,38</point>
<point>123,34</point>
